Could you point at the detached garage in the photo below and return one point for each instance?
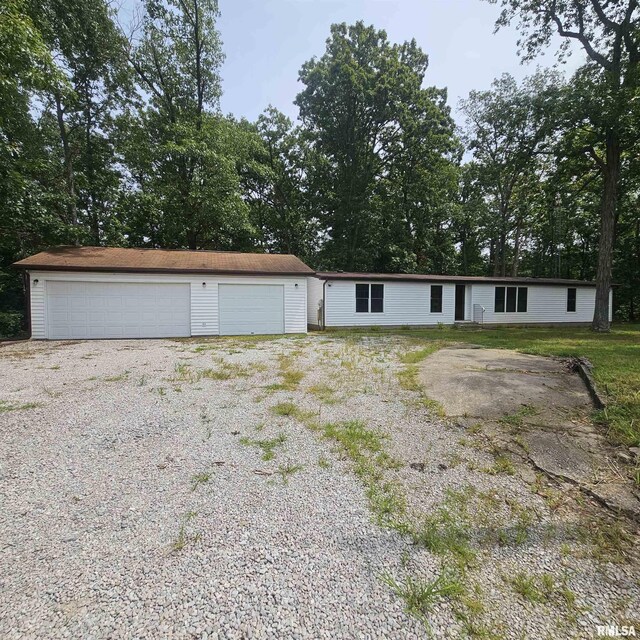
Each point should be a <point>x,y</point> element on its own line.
<point>96,292</point>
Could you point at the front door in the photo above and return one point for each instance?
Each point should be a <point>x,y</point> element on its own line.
<point>460,289</point>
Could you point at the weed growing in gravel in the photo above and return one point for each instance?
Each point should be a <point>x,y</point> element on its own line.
<point>200,478</point>
<point>608,539</point>
<point>267,446</point>
<point>526,586</point>
<point>289,378</point>
<point>365,449</point>
<point>117,378</point>
<point>285,409</point>
<point>226,371</point>
<point>184,537</point>
<point>142,381</point>
<point>324,393</point>
<point>501,464</point>
<point>323,463</point>
<point>8,406</point>
<point>420,595</point>
<point>284,471</point>
<point>408,376</point>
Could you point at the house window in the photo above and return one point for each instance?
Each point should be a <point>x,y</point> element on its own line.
<point>362,298</point>
<point>369,298</point>
<point>436,298</point>
<point>511,299</point>
<point>571,299</point>
<point>377,298</point>
<point>523,294</point>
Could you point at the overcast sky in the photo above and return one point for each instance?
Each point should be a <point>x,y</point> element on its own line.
<point>266,42</point>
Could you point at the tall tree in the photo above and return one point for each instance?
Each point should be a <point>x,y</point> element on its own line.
<point>365,113</point>
<point>507,127</point>
<point>276,187</point>
<point>609,34</point>
<point>183,157</point>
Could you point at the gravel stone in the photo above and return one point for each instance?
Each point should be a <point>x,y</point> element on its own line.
<point>104,535</point>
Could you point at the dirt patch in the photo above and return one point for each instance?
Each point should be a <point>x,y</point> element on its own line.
<point>538,409</point>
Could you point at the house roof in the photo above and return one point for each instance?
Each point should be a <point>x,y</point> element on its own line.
<point>163,261</point>
<point>419,277</point>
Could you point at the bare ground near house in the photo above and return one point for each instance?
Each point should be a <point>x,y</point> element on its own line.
<point>289,487</point>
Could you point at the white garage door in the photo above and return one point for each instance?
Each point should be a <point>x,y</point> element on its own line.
<point>117,310</point>
<point>247,309</point>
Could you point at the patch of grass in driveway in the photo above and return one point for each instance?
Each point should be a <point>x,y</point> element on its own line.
<point>267,446</point>
<point>226,371</point>
<point>365,449</point>
<point>290,377</point>
<point>185,536</point>
<point>287,470</point>
<point>200,478</point>
<point>408,376</point>
<point>8,406</point>
<point>324,393</point>
<point>420,595</point>
<point>118,377</point>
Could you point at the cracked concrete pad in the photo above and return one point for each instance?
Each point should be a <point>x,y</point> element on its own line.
<point>492,383</point>
<point>486,385</point>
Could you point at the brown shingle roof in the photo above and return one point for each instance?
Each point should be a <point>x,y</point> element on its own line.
<point>163,261</point>
<point>411,277</point>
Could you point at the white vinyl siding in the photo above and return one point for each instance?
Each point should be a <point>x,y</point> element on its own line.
<point>405,303</point>
<point>204,299</point>
<point>545,304</point>
<point>408,303</point>
<point>251,309</point>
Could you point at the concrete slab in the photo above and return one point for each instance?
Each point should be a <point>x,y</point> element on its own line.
<point>543,403</point>
<point>491,383</point>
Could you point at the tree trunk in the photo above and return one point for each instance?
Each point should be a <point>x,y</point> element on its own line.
<point>69,178</point>
<point>516,251</point>
<point>611,171</point>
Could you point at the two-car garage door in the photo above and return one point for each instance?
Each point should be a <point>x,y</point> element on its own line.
<point>155,310</point>
<point>117,310</point>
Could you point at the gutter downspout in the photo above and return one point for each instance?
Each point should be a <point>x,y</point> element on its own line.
<point>324,305</point>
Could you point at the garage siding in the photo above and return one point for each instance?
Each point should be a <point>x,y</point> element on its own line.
<point>204,299</point>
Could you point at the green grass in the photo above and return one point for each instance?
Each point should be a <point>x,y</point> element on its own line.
<point>501,465</point>
<point>420,595</point>
<point>364,447</point>
<point>200,478</point>
<point>267,446</point>
<point>615,356</point>
<point>117,378</point>
<point>324,393</point>
<point>184,537</point>
<point>8,406</point>
<point>284,471</point>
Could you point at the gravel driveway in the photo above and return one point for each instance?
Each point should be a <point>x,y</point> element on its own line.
<point>164,489</point>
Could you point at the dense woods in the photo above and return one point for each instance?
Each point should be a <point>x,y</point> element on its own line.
<point>113,135</point>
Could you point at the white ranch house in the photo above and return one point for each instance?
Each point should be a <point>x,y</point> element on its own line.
<point>102,292</point>
<point>338,299</point>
